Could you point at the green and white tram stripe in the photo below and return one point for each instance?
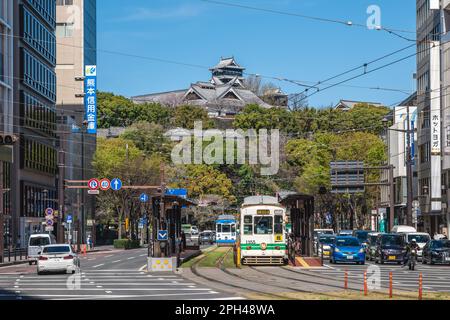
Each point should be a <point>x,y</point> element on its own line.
<point>270,246</point>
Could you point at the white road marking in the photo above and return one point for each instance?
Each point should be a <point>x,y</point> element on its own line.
<point>130,258</point>
<point>109,256</point>
<point>116,261</point>
<point>99,265</point>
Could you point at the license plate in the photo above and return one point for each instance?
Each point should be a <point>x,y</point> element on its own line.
<point>326,253</point>
<point>350,257</point>
<point>391,258</point>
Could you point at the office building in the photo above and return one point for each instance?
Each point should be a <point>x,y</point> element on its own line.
<point>76,48</point>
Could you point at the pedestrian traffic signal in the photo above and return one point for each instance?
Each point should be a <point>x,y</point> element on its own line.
<point>7,139</point>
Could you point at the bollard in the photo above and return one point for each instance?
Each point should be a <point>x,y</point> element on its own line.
<point>365,283</point>
<point>346,280</point>
<point>390,285</point>
<point>420,286</point>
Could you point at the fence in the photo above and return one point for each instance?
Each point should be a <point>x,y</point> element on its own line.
<point>12,255</point>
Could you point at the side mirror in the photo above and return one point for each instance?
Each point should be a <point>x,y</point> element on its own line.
<point>39,252</point>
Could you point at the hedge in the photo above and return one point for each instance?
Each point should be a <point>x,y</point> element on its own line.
<point>126,244</point>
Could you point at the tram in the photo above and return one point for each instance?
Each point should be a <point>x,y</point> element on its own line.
<point>262,237</point>
<point>226,230</point>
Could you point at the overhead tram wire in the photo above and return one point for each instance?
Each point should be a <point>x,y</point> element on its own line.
<point>304,16</point>
<point>368,72</point>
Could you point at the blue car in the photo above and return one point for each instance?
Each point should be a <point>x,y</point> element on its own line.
<point>347,249</point>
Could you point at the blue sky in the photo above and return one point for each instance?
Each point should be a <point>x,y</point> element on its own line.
<point>199,33</point>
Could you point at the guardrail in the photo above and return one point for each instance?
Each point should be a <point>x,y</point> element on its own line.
<point>13,255</point>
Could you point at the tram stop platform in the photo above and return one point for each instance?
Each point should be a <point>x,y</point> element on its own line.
<point>306,262</point>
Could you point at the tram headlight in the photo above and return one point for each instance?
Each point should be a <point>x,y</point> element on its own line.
<point>263,246</point>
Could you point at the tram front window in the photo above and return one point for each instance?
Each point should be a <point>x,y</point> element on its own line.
<point>263,225</point>
<point>226,228</point>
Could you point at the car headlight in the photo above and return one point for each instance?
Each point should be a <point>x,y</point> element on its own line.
<point>361,250</point>
<point>336,249</point>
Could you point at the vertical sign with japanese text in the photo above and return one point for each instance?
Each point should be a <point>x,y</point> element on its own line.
<point>90,99</point>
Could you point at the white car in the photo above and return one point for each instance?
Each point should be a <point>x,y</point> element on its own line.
<point>57,257</point>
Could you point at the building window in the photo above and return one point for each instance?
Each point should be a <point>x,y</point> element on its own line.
<point>39,157</point>
<point>38,76</point>
<point>64,2</point>
<point>64,30</point>
<point>38,115</point>
<point>46,8</point>
<point>2,52</point>
<point>39,37</point>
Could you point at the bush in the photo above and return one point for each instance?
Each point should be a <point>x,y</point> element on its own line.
<point>126,244</point>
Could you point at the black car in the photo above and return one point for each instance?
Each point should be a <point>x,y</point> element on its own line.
<point>436,251</point>
<point>362,236</point>
<point>390,247</point>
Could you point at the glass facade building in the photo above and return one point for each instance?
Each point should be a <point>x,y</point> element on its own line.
<point>35,166</point>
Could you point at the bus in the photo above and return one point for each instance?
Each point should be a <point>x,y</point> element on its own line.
<point>263,231</point>
<point>226,230</point>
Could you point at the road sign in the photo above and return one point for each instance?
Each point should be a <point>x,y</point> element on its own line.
<point>69,218</point>
<point>144,197</point>
<point>93,184</point>
<point>105,184</point>
<point>49,223</point>
<point>49,212</point>
<point>49,228</point>
<point>93,192</point>
<point>163,235</point>
<point>182,193</point>
<point>116,184</point>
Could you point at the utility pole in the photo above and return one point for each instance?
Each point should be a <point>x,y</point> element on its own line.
<point>409,173</point>
<point>61,167</point>
<point>391,198</point>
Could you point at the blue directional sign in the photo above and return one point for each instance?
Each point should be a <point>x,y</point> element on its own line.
<point>163,235</point>
<point>182,193</point>
<point>116,184</point>
<point>144,197</point>
<point>90,99</point>
<point>69,219</point>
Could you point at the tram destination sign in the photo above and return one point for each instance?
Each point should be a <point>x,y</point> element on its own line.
<point>263,212</point>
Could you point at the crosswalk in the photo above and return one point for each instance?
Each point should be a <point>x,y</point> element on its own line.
<point>435,278</point>
<point>104,285</point>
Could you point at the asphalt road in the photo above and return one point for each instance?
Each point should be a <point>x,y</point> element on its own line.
<point>104,275</point>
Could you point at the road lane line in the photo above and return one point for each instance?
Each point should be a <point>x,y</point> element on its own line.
<point>130,258</point>
<point>99,265</point>
<point>116,261</point>
<point>143,267</point>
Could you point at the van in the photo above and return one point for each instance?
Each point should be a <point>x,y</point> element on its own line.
<point>35,244</point>
<point>403,229</point>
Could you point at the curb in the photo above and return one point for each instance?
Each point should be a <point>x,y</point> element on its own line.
<point>192,256</point>
<point>8,264</point>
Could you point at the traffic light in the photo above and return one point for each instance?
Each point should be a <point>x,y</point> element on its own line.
<point>7,139</point>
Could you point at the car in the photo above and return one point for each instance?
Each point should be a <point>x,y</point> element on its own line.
<point>421,238</point>
<point>403,229</point>
<point>347,249</point>
<point>371,246</point>
<point>345,233</point>
<point>57,258</point>
<point>35,244</point>
<point>436,251</point>
<point>325,242</point>
<point>206,237</point>
<point>362,236</point>
<point>390,247</point>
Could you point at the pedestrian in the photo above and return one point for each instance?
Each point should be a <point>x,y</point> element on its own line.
<point>90,242</point>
